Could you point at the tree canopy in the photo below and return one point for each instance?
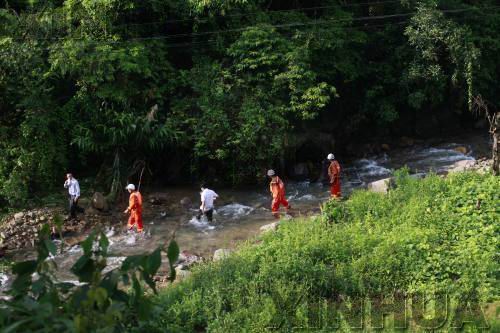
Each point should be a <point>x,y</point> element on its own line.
<point>201,85</point>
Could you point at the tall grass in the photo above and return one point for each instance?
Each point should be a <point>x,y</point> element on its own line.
<point>434,236</point>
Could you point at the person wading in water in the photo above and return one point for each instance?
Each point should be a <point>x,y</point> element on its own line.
<point>277,188</point>
<point>207,203</point>
<point>334,174</point>
<point>134,208</point>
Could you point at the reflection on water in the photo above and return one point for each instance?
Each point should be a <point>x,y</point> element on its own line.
<point>239,213</point>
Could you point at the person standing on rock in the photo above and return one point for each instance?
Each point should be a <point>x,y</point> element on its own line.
<point>277,188</point>
<point>207,203</point>
<point>74,194</point>
<point>134,208</point>
<point>334,174</point>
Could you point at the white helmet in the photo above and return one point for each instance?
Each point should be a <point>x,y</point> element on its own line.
<point>271,172</point>
<point>130,187</point>
<point>331,157</point>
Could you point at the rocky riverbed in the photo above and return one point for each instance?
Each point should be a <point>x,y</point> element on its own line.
<point>20,230</point>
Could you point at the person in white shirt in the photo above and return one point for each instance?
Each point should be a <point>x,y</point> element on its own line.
<point>207,203</point>
<point>74,194</point>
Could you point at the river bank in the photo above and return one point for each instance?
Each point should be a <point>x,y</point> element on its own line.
<point>436,233</point>
<point>240,213</point>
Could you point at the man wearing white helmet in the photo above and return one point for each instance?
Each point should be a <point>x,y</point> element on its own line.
<point>277,188</point>
<point>334,174</point>
<point>134,208</point>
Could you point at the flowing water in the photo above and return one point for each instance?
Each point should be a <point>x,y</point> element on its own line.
<point>239,213</point>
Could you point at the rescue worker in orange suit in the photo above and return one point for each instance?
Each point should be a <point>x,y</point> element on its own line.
<point>334,174</point>
<point>277,188</point>
<point>134,208</point>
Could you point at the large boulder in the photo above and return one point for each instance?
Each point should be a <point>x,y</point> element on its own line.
<point>269,227</point>
<point>221,254</point>
<point>187,259</point>
<point>181,273</point>
<point>158,198</point>
<point>18,216</point>
<point>406,141</point>
<point>462,165</point>
<point>300,170</point>
<point>380,186</point>
<point>99,202</point>
<point>186,202</point>
<point>461,149</point>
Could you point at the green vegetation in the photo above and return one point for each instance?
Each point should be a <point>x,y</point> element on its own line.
<point>104,301</point>
<point>436,236</point>
<point>224,88</point>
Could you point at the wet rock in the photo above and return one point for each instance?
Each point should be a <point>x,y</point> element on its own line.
<point>380,186</point>
<point>221,254</point>
<point>461,149</point>
<point>463,165</point>
<point>406,141</point>
<point>186,202</point>
<point>269,227</point>
<point>300,170</point>
<point>187,259</point>
<point>157,198</point>
<point>181,274</point>
<point>99,201</point>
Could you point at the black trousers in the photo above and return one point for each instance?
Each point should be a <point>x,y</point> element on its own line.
<point>73,206</point>
<point>208,213</point>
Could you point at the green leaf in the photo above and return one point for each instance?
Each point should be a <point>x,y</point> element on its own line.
<point>88,243</point>
<point>173,252</point>
<point>173,255</point>
<point>103,243</point>
<point>84,268</point>
<point>14,327</point>
<point>50,246</point>
<point>154,262</point>
<point>25,267</point>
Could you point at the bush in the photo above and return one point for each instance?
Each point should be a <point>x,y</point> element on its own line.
<point>103,302</point>
<point>434,235</point>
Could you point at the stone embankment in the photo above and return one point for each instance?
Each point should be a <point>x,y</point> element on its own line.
<point>21,230</point>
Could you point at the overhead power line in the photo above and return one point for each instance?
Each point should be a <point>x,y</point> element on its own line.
<point>297,24</point>
<point>286,25</point>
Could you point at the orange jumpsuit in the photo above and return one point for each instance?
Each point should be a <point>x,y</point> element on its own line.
<point>334,174</point>
<point>277,188</point>
<point>135,209</point>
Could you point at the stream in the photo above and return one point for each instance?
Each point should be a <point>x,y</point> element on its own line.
<point>239,213</point>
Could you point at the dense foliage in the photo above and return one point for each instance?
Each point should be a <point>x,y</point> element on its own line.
<point>103,300</point>
<point>232,86</point>
<point>433,236</point>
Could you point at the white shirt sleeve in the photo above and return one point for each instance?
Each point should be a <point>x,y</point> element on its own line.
<point>77,188</point>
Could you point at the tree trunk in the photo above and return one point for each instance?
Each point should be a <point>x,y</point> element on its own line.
<point>496,144</point>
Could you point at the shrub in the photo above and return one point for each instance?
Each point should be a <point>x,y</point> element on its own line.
<point>105,302</point>
<point>424,236</point>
